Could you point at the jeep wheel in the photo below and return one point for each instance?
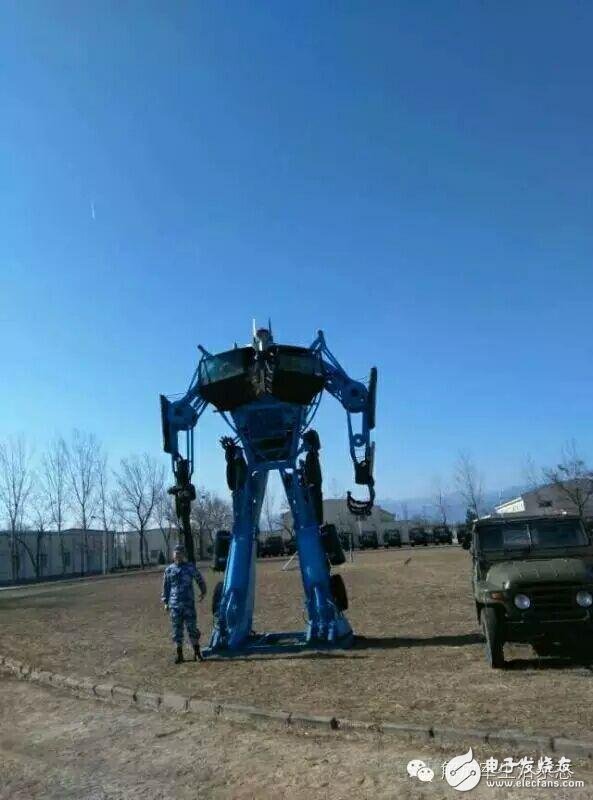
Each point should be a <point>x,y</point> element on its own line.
<point>581,650</point>
<point>493,634</point>
<point>544,647</point>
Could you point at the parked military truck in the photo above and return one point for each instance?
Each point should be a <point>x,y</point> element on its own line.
<point>271,545</point>
<point>346,540</point>
<point>442,534</point>
<point>392,538</point>
<point>532,581</point>
<point>464,535</point>
<point>290,546</point>
<point>418,536</point>
<point>368,540</point>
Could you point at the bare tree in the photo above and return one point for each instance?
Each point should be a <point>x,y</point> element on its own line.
<point>140,482</point>
<point>16,485</point>
<point>83,455</point>
<point>531,473</point>
<point>119,526</point>
<point>32,540</point>
<point>269,510</point>
<point>56,489</point>
<point>334,490</point>
<point>166,519</point>
<point>440,502</point>
<point>342,515</point>
<point>469,483</point>
<point>108,506</point>
<point>285,519</point>
<point>209,514</point>
<point>573,479</point>
<point>404,511</point>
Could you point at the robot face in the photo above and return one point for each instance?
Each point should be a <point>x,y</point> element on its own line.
<point>262,339</point>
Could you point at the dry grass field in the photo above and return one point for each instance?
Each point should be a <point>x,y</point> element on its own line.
<point>54,746</point>
<point>418,656</point>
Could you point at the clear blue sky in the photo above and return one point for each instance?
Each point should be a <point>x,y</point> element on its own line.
<point>414,178</point>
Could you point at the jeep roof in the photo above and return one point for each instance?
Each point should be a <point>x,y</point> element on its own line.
<point>529,536</point>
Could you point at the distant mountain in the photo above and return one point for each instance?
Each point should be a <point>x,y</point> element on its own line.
<point>456,506</point>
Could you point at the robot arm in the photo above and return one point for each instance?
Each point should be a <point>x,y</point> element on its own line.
<point>356,399</point>
<point>176,416</point>
<point>180,415</point>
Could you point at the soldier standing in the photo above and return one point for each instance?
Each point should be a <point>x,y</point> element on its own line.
<point>178,599</point>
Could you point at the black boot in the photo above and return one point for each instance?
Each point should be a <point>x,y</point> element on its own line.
<point>179,658</point>
<point>198,653</point>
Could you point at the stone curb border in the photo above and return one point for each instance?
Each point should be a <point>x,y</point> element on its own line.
<point>170,702</point>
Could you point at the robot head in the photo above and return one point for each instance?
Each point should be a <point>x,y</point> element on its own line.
<point>311,440</point>
<point>262,337</point>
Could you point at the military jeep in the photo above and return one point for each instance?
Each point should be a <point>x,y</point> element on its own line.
<point>271,545</point>
<point>532,581</point>
<point>392,538</point>
<point>442,534</point>
<point>368,540</point>
<point>418,536</point>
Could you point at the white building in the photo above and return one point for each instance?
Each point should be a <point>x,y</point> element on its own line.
<point>76,552</point>
<point>73,552</point>
<point>156,547</point>
<point>551,500</point>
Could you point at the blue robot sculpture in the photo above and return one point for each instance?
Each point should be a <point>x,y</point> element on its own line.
<point>268,394</point>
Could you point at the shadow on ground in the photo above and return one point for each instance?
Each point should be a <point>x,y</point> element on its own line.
<point>392,642</point>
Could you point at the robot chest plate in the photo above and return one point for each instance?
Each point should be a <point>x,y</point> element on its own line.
<point>237,377</point>
<point>269,428</point>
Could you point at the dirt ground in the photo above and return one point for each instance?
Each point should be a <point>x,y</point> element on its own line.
<point>418,658</point>
<point>57,747</point>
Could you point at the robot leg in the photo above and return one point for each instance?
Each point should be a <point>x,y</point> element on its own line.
<point>234,614</point>
<point>326,622</point>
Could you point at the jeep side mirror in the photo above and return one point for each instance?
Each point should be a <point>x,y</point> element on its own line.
<point>466,543</point>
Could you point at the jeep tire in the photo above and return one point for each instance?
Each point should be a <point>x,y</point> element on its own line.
<point>492,629</point>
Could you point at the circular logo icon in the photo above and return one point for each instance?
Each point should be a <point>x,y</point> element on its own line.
<point>463,772</point>
<point>413,766</point>
<point>425,774</point>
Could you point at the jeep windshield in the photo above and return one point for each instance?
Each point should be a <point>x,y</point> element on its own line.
<point>541,534</point>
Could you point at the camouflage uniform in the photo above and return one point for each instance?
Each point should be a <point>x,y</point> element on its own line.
<point>178,594</point>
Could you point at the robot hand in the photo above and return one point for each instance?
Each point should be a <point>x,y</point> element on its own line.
<point>363,475</point>
<point>228,445</point>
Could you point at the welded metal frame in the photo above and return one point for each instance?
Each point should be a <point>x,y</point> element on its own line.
<point>327,626</point>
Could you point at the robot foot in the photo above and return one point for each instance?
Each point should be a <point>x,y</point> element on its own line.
<point>198,653</point>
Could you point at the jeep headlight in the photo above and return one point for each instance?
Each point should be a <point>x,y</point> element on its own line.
<point>584,599</point>
<point>522,601</point>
